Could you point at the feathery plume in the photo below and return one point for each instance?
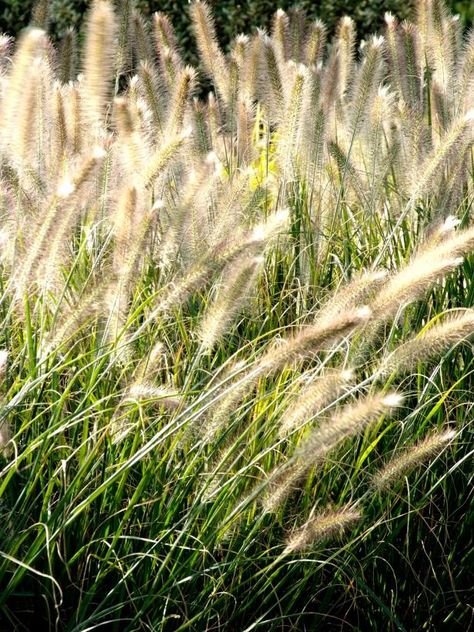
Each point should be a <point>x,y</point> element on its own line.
<point>182,93</point>
<point>377,132</point>
<point>124,36</point>
<point>52,226</point>
<point>124,222</point>
<point>177,293</point>
<point>288,146</point>
<point>3,362</point>
<point>455,38</point>
<point>141,39</point>
<point>313,338</point>
<point>280,35</point>
<point>439,45</point>
<point>431,264</point>
<point>127,259</point>
<point>315,43</point>
<point>20,102</point>
<point>434,341</point>
<point>245,127</point>
<point>440,107</point>
<point>273,93</point>
<point>201,138</point>
<point>163,33</point>
<point>411,56</point>
<point>222,254</point>
<point>349,174</point>
<point>297,33</point>
<point>211,55</point>
<point>68,56</point>
<point>454,191</point>
<point>347,422</point>
<point>163,157</point>
<point>345,47</point>
<point>330,83</point>
<point>99,62</point>
<point>234,86</point>
<point>41,14</point>
<point>465,83</point>
<point>457,244</point>
<point>250,71</point>
<point>167,50</point>
<point>170,66</point>
<point>423,21</point>
<point>152,93</point>
<point>410,459</point>
<point>457,136</point>
<point>239,278</point>
<point>214,121</point>
<point>5,437</point>
<point>239,49</point>
<point>367,82</point>
<point>314,398</point>
<point>409,283</point>
<point>70,323</point>
<point>61,136</point>
<point>314,127</point>
<point>24,141</point>
<point>131,143</point>
<point>150,364</point>
<point>166,397</point>
<point>324,526</point>
<point>6,43</point>
<point>396,57</point>
<point>69,206</point>
<point>74,120</point>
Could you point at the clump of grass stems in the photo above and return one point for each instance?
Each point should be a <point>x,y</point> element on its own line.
<point>221,312</point>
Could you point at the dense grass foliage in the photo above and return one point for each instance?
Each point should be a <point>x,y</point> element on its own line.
<point>237,375</point>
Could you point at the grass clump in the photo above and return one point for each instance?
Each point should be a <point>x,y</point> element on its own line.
<point>222,314</point>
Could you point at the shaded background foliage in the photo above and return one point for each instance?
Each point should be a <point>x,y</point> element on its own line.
<point>232,16</point>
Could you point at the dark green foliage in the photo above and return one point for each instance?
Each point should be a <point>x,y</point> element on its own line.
<point>232,17</point>
<point>16,14</point>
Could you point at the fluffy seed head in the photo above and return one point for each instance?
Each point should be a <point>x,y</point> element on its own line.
<point>348,421</point>
<point>3,362</point>
<point>313,398</point>
<point>437,339</point>
<point>5,437</point>
<point>324,526</point>
<point>411,458</point>
<point>99,60</point>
